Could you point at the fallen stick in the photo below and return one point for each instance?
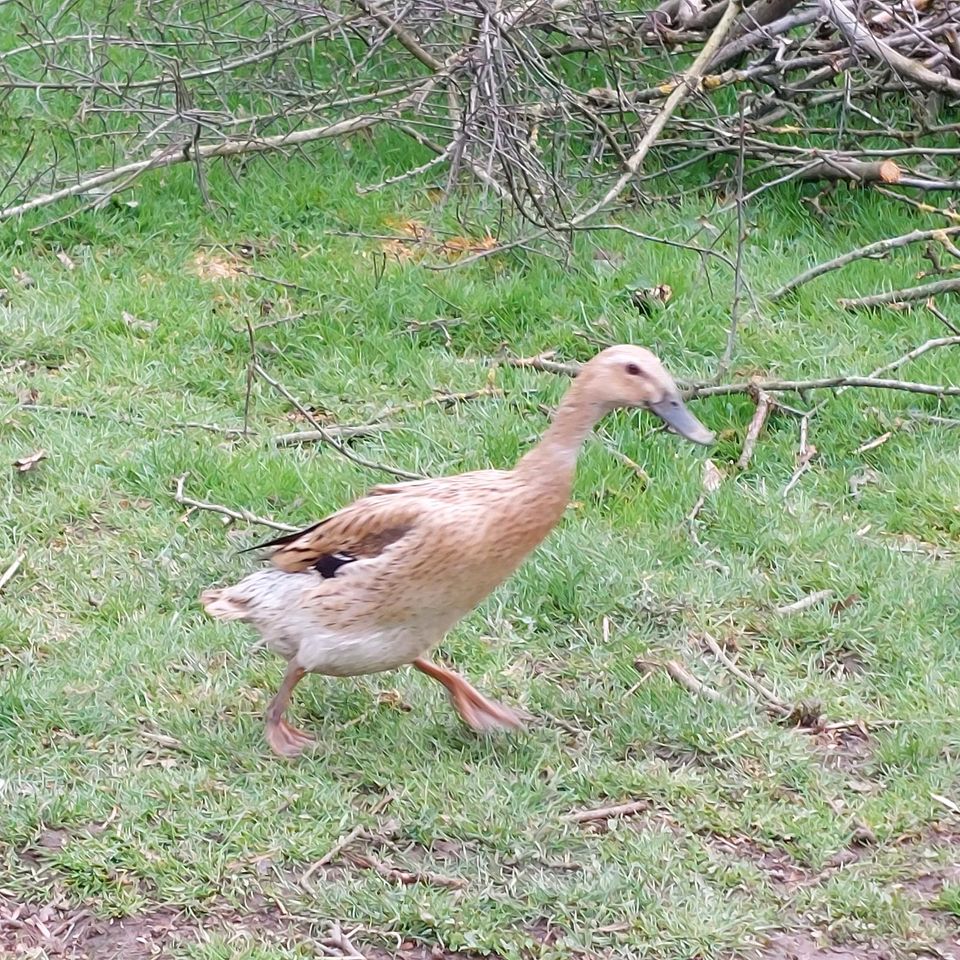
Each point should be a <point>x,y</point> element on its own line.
<point>240,514</point>
<point>336,849</point>
<point>607,813</point>
<point>932,344</point>
<point>764,404</point>
<point>341,433</point>
<point>807,452</point>
<point>695,391</point>
<point>339,941</point>
<point>860,171</point>
<point>11,570</point>
<point>773,701</point>
<point>683,85</point>
<point>326,436</point>
<point>678,672</point>
<point>175,155</point>
<point>902,296</point>
<point>405,877</point>
<point>860,37</point>
<point>804,603</point>
<point>876,249</point>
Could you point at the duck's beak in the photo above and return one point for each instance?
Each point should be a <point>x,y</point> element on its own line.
<point>672,411</point>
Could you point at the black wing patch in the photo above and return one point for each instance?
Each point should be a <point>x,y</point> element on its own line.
<point>328,565</point>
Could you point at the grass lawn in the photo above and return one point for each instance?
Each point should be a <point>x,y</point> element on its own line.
<point>140,812</point>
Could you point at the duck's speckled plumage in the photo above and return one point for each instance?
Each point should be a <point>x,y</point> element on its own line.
<point>377,584</point>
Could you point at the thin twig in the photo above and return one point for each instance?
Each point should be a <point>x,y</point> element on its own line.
<point>678,672</point>
<point>345,432</point>
<point>871,250</point>
<point>731,344</point>
<point>772,700</point>
<point>8,574</point>
<point>608,813</point>
<point>695,391</point>
<point>405,877</point>
<point>331,854</point>
<point>682,87</point>
<point>807,452</point>
<point>239,514</point>
<point>759,418</point>
<point>698,389</point>
<point>903,296</point>
<point>327,437</point>
<point>804,603</point>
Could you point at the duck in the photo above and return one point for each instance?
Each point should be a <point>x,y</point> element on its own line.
<point>378,584</point>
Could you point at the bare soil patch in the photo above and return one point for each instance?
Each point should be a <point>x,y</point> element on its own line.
<point>76,933</point>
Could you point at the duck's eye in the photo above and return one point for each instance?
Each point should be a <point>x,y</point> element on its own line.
<point>633,370</point>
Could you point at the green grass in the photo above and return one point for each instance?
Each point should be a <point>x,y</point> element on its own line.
<point>103,647</point>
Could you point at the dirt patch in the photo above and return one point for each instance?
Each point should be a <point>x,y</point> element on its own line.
<point>66,933</point>
<point>850,750</point>
<point>777,866</point>
<point>53,930</point>
<point>210,267</point>
<point>805,946</point>
<point>808,946</point>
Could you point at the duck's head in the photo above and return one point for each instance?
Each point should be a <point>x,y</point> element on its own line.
<point>629,376</point>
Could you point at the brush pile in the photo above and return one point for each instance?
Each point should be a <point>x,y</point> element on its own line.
<point>557,109</point>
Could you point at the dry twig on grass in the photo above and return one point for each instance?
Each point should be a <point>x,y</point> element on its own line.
<point>869,251</point>
<point>327,437</point>
<point>403,876</point>
<point>608,813</point>
<point>239,514</point>
<point>764,406</point>
<point>8,574</point>
<point>923,292</point>
<point>678,672</point>
<point>696,389</point>
<point>771,700</point>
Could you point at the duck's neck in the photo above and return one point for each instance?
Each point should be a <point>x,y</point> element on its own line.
<point>554,458</point>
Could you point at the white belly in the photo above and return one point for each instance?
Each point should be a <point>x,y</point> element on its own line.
<point>347,656</point>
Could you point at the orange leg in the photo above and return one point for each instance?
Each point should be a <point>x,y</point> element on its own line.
<point>284,740</point>
<point>476,711</point>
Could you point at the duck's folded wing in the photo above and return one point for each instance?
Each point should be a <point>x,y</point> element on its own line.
<point>360,531</point>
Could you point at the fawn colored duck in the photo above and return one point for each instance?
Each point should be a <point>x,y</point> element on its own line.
<point>379,583</point>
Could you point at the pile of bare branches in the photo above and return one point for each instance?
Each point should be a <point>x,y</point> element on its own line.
<point>559,109</point>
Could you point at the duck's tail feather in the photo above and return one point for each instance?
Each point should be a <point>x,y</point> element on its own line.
<point>222,604</point>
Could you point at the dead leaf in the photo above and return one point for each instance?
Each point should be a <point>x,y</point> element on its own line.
<point>65,259</point>
<point>840,605</point>
<point>209,267</point>
<point>463,246</point>
<point>29,462</point>
<point>712,476</point>
<point>644,298</point>
<point>409,228</point>
<point>861,479</point>
<point>392,699</point>
<point>401,249</point>
<point>134,323</point>
<point>23,278</point>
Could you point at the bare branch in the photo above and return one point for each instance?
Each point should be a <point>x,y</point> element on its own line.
<point>877,249</point>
